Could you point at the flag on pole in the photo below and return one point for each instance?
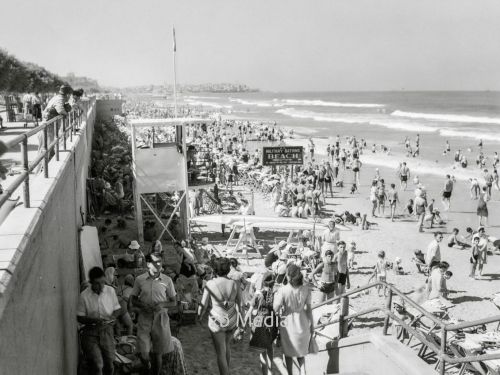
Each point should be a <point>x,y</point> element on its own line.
<point>175,45</point>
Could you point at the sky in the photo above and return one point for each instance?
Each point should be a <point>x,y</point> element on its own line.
<point>277,45</point>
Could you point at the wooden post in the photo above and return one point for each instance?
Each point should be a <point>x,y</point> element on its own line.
<point>442,364</point>
<point>253,201</point>
<point>388,305</point>
<point>344,311</point>
<point>137,194</point>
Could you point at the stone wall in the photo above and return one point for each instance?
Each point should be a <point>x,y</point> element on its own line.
<point>39,289</point>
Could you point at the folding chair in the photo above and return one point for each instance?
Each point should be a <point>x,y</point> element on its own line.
<point>421,266</point>
<point>458,352</point>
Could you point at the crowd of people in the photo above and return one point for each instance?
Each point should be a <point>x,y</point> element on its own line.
<point>198,277</point>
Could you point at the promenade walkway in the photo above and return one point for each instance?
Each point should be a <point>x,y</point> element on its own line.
<point>12,158</point>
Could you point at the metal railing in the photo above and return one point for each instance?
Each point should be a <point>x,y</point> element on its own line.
<point>440,351</point>
<point>59,128</point>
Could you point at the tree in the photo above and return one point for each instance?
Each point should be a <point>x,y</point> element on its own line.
<point>17,76</point>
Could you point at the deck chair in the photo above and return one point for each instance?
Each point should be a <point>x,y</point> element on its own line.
<point>421,266</point>
<point>436,340</point>
<point>458,352</point>
<point>417,323</point>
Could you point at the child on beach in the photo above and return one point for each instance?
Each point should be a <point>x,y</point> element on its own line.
<point>398,268</point>
<point>420,205</point>
<point>475,257</point>
<point>380,271</point>
<point>373,196</point>
<point>409,206</point>
<point>381,197</point>
<point>474,188</point>
<point>359,219</point>
<point>392,197</point>
<point>350,255</point>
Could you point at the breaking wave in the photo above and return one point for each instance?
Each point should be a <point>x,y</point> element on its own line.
<point>322,103</point>
<point>340,118</point>
<point>203,97</point>
<point>208,104</point>
<point>447,117</point>
<point>256,103</point>
<point>495,137</point>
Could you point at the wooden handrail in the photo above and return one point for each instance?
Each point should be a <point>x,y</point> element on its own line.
<point>444,328</point>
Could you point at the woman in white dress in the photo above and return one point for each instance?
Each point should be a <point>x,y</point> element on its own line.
<point>293,303</point>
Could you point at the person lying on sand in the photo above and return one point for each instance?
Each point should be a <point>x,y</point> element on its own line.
<point>456,240</point>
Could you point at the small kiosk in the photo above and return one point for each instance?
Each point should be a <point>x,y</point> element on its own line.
<point>159,166</point>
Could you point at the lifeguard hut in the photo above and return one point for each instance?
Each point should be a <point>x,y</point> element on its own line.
<point>159,165</point>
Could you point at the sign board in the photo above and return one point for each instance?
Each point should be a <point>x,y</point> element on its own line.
<point>283,155</point>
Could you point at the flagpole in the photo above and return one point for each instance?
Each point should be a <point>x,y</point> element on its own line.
<point>184,147</point>
<point>175,76</point>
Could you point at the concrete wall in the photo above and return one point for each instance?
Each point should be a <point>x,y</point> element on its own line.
<point>39,286</point>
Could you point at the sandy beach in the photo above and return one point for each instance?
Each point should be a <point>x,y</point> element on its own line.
<point>471,298</point>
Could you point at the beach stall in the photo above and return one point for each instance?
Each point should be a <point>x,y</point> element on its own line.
<point>159,164</point>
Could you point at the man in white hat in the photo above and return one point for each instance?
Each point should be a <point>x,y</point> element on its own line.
<point>137,254</point>
<point>152,293</point>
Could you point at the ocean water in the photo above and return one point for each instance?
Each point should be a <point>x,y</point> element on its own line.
<point>382,118</point>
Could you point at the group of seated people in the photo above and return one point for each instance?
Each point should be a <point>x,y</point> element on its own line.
<point>146,295</point>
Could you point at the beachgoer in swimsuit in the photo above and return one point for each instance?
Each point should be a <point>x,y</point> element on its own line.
<point>447,190</point>
<point>404,174</point>
<point>392,196</point>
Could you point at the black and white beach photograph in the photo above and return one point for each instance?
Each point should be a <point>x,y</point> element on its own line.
<point>222,187</point>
